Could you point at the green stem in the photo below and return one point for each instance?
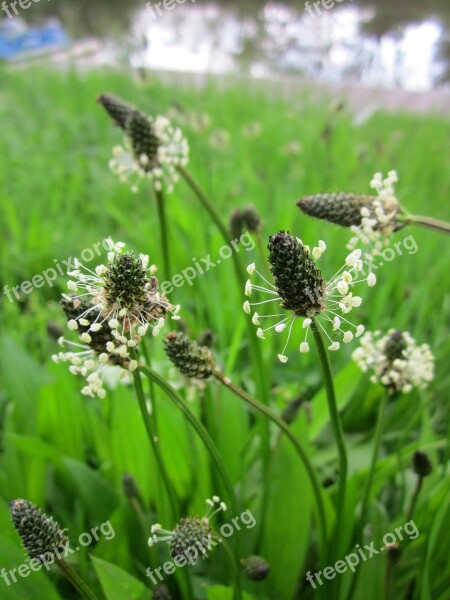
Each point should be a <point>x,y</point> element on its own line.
<point>161,206</point>
<point>338,433</point>
<point>78,583</point>
<point>429,223</point>
<point>237,592</point>
<point>258,366</point>
<point>209,444</point>
<point>373,462</point>
<point>262,408</point>
<point>199,428</point>
<point>155,445</point>
<point>414,498</point>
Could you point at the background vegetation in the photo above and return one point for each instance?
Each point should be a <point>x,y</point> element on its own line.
<point>68,454</point>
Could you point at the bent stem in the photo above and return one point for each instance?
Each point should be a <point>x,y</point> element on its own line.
<point>338,436</point>
<point>258,366</point>
<point>209,444</point>
<point>262,408</point>
<point>429,223</point>
<point>161,206</point>
<point>151,433</point>
<point>414,497</point>
<point>79,584</point>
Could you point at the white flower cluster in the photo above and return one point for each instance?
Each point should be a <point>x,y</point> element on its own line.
<point>337,302</point>
<point>161,170</point>
<point>412,368</point>
<point>111,328</point>
<point>379,221</point>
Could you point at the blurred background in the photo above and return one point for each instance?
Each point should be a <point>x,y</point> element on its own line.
<point>401,44</point>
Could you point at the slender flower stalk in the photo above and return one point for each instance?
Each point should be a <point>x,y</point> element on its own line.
<point>154,442</point>
<point>255,355</point>
<point>339,438</point>
<point>372,467</point>
<point>428,223</point>
<point>163,228</point>
<point>262,408</point>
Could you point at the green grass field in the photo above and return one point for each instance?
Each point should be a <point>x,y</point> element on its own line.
<point>68,454</point>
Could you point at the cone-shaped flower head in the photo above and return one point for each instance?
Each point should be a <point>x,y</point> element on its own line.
<point>152,149</point>
<point>371,218</point>
<point>422,464</point>
<point>300,291</point>
<point>297,280</point>
<point>191,359</point>
<point>118,109</point>
<point>255,568</point>
<point>40,534</point>
<point>395,360</point>
<point>191,533</point>
<point>111,308</point>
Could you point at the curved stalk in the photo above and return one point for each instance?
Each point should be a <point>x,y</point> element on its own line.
<point>209,444</point>
<point>338,436</point>
<point>262,408</point>
<point>79,584</point>
<point>155,445</point>
<point>258,366</point>
<point>415,495</point>
<point>429,223</point>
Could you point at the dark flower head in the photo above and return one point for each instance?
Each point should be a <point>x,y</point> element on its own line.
<point>297,280</point>
<point>144,141</point>
<point>339,208</point>
<point>190,359</point>
<point>118,109</point>
<point>422,464</point>
<point>40,534</point>
<point>300,291</point>
<point>190,533</point>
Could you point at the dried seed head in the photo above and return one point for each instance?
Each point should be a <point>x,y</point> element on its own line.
<point>40,534</point>
<point>421,464</point>
<point>255,568</point>
<point>190,359</point>
<point>298,282</point>
<point>144,141</point>
<point>118,109</point>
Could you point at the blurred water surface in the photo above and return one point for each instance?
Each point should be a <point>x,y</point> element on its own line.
<point>390,43</point>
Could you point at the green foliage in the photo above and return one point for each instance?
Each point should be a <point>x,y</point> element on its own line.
<point>68,454</point>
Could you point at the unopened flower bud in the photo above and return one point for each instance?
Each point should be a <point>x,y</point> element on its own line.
<point>255,568</point>
<point>421,464</point>
<point>118,109</point>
